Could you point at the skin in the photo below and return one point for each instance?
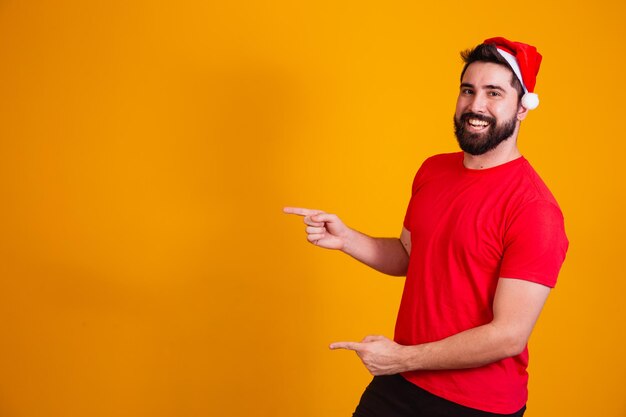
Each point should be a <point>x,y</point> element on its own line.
<point>485,89</point>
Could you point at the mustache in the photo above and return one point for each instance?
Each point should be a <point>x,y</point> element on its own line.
<point>469,115</point>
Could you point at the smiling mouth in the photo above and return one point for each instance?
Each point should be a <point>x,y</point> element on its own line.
<point>477,123</point>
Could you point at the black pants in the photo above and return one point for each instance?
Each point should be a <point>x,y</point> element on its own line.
<point>394,396</point>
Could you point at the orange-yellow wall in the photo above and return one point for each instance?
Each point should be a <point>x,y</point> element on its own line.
<point>146,151</point>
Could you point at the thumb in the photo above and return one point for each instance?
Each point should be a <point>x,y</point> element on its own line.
<point>373,338</point>
<point>324,217</point>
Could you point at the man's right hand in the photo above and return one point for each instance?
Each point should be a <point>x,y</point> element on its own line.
<point>387,255</point>
<point>323,229</point>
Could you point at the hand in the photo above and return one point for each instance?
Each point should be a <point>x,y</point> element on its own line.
<point>323,229</point>
<point>380,355</point>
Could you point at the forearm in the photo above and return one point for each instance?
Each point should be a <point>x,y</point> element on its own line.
<point>325,230</point>
<point>386,255</point>
<point>469,349</point>
<point>516,307</point>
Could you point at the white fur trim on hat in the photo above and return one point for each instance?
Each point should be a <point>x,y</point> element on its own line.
<point>530,101</point>
<point>514,66</point>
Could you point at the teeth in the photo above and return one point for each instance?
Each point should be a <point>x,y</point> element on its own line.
<point>476,122</point>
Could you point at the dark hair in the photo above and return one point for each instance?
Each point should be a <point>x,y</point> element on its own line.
<point>489,53</point>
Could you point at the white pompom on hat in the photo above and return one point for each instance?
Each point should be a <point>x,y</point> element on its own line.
<point>524,61</point>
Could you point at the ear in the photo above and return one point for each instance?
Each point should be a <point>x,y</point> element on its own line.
<point>522,112</point>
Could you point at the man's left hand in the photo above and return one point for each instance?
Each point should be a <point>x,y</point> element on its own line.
<point>380,355</point>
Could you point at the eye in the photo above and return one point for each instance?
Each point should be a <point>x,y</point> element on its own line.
<point>494,93</point>
<point>467,91</point>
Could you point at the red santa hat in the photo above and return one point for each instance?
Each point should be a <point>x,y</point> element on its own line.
<point>524,61</point>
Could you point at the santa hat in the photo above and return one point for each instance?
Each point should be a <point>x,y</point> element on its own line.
<point>524,61</point>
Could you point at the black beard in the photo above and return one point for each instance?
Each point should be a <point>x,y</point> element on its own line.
<point>480,143</point>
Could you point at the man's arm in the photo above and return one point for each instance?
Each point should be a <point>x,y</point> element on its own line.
<point>516,307</point>
<point>387,255</point>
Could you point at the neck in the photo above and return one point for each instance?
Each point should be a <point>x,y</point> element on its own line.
<point>505,152</point>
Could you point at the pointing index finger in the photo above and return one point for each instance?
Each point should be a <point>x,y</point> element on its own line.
<point>356,346</point>
<point>301,211</point>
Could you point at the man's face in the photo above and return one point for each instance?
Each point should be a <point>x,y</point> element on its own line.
<point>487,110</point>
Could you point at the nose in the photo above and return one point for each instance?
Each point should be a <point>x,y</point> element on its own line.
<point>478,103</point>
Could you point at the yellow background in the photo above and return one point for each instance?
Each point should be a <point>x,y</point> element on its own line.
<point>146,151</point>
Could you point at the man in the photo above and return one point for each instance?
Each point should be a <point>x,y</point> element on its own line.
<point>481,247</point>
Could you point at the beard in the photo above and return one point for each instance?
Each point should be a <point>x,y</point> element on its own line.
<point>480,143</point>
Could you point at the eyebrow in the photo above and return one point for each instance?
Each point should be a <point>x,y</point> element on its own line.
<point>486,87</point>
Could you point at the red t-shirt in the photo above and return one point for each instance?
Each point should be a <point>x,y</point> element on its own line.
<point>468,228</point>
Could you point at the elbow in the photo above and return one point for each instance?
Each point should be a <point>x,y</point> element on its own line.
<point>401,269</point>
<point>516,349</point>
<point>403,264</point>
<point>509,340</point>
<point>513,344</point>
<point>398,266</point>
<point>401,260</point>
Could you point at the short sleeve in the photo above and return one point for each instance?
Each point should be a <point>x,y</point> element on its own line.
<point>535,244</point>
<point>417,182</point>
